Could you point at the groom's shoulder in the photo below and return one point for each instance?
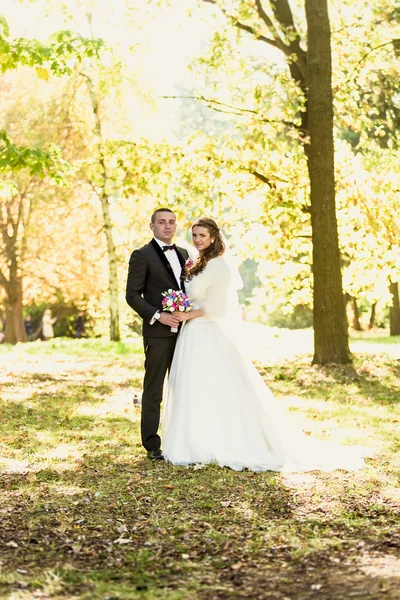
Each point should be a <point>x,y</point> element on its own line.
<point>143,249</point>
<point>142,253</point>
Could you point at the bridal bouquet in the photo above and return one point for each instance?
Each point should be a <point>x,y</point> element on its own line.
<point>176,300</point>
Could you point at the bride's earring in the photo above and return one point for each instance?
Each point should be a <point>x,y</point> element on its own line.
<point>212,241</point>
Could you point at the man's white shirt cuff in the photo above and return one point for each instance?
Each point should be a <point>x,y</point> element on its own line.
<point>153,320</point>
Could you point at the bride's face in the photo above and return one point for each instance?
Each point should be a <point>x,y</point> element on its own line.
<point>201,238</point>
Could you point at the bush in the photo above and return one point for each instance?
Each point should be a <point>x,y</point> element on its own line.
<point>66,318</point>
<point>300,318</point>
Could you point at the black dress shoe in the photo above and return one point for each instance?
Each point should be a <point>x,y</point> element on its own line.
<point>155,454</point>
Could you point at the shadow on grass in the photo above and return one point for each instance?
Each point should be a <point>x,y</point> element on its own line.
<point>135,526</point>
<point>379,339</point>
<point>106,522</point>
<point>80,348</point>
<point>43,421</point>
<point>338,382</point>
<point>89,389</point>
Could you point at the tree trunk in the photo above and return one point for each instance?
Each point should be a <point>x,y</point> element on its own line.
<point>107,221</point>
<point>356,315</point>
<point>372,316</point>
<point>330,332</point>
<point>346,300</point>
<point>311,72</point>
<point>394,309</point>
<point>15,329</point>
<point>112,270</point>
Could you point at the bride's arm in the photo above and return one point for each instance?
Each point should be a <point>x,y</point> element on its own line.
<point>217,297</point>
<point>211,289</point>
<point>187,316</point>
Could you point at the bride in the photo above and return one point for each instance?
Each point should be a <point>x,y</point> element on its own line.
<point>218,408</point>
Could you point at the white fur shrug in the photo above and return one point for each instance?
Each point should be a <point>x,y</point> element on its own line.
<point>213,290</point>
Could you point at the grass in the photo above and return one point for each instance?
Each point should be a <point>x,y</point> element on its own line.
<point>84,515</point>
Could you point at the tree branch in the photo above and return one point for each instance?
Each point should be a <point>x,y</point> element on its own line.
<point>20,211</point>
<point>239,111</point>
<point>365,56</point>
<point>284,16</point>
<point>263,178</point>
<point>3,280</point>
<point>295,55</point>
<point>266,180</point>
<point>283,13</point>
<point>263,15</point>
<point>244,27</point>
<point>258,37</point>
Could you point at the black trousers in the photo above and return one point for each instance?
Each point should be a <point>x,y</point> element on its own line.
<point>158,352</point>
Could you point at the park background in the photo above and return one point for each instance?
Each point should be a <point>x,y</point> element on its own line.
<point>164,104</point>
<point>227,109</point>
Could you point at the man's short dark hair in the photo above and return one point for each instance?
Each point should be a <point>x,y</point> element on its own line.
<point>153,216</point>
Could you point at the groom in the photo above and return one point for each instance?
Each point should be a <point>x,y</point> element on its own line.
<point>154,269</point>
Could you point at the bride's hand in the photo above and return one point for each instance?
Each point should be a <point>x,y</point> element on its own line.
<point>181,316</point>
<point>186,316</point>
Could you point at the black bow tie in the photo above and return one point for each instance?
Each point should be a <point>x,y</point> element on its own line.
<point>171,247</point>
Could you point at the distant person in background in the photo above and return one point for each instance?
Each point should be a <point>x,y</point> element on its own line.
<point>47,325</point>
<point>79,325</point>
<point>28,327</point>
<point>2,336</point>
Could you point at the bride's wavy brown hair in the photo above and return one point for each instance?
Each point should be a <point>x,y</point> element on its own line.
<point>217,248</point>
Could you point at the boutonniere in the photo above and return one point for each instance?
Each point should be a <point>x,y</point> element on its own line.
<point>189,263</point>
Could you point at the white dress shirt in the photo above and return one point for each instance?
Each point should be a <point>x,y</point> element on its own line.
<point>173,260</point>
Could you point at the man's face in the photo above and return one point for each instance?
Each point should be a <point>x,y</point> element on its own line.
<point>164,226</point>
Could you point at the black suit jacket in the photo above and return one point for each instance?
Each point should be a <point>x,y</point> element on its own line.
<point>149,275</point>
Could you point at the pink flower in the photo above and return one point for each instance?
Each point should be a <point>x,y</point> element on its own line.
<point>189,263</point>
<point>176,300</point>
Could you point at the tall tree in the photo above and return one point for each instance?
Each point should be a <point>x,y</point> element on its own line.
<point>311,72</point>
<point>57,56</point>
<point>369,119</point>
<point>17,201</point>
<point>330,327</point>
<point>101,186</point>
<point>15,208</point>
<point>395,308</point>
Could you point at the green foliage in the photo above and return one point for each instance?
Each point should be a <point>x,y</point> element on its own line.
<point>300,317</point>
<point>4,28</point>
<point>243,166</point>
<point>248,272</point>
<point>37,161</point>
<point>256,91</point>
<point>55,56</point>
<point>65,313</point>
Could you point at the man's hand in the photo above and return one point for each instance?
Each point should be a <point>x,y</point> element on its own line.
<point>169,319</point>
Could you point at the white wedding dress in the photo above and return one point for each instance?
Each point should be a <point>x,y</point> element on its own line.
<point>218,408</point>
